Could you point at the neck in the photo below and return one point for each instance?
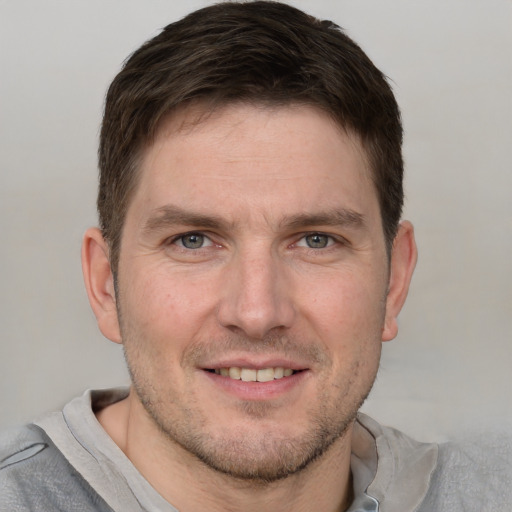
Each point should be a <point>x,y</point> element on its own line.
<point>190,486</point>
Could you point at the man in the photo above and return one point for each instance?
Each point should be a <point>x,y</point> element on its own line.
<point>251,260</point>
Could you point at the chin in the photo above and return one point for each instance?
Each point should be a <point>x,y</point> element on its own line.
<point>261,457</point>
<point>259,448</point>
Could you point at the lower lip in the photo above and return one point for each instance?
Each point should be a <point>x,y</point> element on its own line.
<point>258,390</point>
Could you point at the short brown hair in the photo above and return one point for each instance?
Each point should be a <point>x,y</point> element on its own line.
<point>257,51</point>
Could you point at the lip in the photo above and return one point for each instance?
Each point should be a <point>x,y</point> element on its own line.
<point>255,364</point>
<point>257,391</point>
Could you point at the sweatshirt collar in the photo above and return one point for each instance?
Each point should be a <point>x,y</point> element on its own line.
<point>390,470</point>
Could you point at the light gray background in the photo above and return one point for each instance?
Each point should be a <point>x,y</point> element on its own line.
<point>451,64</point>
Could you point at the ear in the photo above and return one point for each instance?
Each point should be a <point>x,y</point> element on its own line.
<point>403,260</point>
<point>99,283</point>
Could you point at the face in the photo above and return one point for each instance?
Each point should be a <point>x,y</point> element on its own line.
<point>252,287</point>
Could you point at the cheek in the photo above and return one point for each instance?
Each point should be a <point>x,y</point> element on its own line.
<point>164,309</point>
<point>347,315</point>
<point>345,301</point>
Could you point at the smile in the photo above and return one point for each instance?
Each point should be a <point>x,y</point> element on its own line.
<point>253,375</point>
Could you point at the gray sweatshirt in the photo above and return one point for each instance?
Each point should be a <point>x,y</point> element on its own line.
<point>65,461</point>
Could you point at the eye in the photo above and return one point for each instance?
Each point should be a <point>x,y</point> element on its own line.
<point>316,241</point>
<point>193,241</point>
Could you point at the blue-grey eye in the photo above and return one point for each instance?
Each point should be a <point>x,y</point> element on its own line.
<point>317,240</point>
<point>193,241</point>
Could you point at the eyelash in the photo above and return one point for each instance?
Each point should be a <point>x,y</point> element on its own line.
<point>331,241</point>
<point>181,237</point>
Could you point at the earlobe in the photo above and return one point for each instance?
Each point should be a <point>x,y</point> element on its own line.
<point>403,261</point>
<point>99,283</point>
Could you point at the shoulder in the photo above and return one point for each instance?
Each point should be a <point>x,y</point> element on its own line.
<point>472,474</point>
<point>34,475</point>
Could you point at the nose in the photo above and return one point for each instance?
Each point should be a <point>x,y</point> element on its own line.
<point>256,295</point>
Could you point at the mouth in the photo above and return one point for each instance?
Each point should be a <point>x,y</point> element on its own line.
<point>254,375</point>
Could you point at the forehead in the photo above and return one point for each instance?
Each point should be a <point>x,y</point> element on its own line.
<point>259,156</point>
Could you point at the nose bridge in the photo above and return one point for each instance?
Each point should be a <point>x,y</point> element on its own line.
<point>256,298</point>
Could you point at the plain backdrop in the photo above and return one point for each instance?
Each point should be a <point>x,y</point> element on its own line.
<point>450,63</point>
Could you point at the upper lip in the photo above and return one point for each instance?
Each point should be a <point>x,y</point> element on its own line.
<point>255,363</point>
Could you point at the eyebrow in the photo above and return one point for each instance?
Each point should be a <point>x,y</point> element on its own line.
<point>337,217</point>
<point>173,215</point>
<point>169,215</point>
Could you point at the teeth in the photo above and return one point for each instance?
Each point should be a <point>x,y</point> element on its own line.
<point>265,375</point>
<point>252,375</point>
<point>278,373</point>
<point>235,373</point>
<point>248,375</point>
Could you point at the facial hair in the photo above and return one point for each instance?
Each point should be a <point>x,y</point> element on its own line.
<point>249,454</point>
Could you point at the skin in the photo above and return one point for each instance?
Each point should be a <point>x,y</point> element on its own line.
<point>284,263</point>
